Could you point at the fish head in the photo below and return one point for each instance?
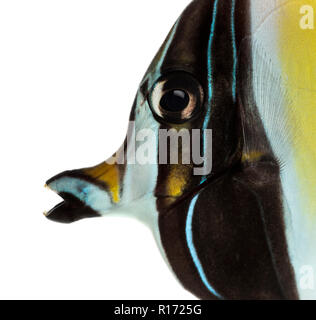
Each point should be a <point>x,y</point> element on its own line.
<point>182,129</point>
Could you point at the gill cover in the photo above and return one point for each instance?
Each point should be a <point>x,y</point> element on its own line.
<point>245,229</point>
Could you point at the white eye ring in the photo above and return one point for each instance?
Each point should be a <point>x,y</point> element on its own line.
<point>156,95</point>
<point>184,83</point>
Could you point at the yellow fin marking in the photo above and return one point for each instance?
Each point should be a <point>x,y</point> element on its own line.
<point>298,59</point>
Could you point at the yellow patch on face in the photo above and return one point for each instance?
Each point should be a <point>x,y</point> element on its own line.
<point>177,180</point>
<point>297,53</point>
<point>178,177</point>
<point>109,174</point>
<point>251,156</point>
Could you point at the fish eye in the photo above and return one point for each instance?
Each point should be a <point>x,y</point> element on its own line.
<point>176,98</point>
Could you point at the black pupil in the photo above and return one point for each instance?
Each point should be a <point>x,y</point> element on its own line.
<point>175,100</point>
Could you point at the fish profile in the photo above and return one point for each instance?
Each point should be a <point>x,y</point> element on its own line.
<point>244,227</point>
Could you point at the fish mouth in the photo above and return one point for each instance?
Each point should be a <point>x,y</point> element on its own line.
<point>70,210</point>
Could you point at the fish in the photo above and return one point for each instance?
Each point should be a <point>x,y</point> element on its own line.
<point>242,73</point>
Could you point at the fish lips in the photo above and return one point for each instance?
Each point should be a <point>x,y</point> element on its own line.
<point>71,209</point>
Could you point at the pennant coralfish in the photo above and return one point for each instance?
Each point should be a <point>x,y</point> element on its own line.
<point>245,229</point>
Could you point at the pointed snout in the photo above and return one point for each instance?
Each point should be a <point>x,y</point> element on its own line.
<point>86,193</point>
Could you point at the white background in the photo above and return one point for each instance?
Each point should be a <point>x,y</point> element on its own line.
<point>69,71</point>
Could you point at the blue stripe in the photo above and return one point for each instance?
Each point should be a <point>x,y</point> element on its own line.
<point>195,258</point>
<point>234,49</point>
<point>209,61</point>
<point>209,58</point>
<point>209,69</point>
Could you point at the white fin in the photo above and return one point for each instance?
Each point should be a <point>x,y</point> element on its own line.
<point>273,103</point>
